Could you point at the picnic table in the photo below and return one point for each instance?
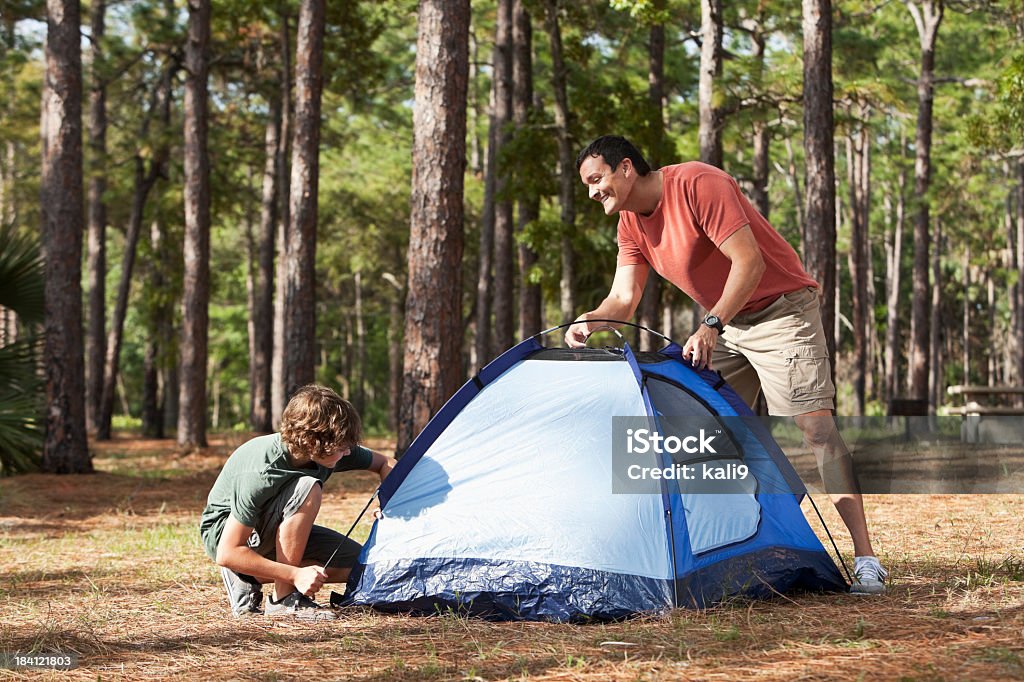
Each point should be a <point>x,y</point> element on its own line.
<point>973,411</point>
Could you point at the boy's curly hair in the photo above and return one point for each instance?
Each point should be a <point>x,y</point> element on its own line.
<point>317,421</point>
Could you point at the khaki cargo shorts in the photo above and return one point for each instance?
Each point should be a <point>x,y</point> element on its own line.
<point>779,350</point>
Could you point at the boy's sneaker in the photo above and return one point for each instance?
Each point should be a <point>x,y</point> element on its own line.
<point>298,605</point>
<point>868,576</point>
<point>244,593</point>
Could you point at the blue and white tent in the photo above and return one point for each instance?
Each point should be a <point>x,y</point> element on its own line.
<point>504,507</point>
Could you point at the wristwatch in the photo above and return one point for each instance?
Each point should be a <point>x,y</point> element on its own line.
<point>715,323</point>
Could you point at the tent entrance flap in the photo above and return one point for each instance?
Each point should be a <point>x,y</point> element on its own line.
<point>721,508</point>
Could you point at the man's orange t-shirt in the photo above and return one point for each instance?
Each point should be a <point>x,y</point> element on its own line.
<point>701,206</point>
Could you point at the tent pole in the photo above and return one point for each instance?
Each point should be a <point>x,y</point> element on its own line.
<point>831,539</point>
<point>354,523</point>
<point>672,544</point>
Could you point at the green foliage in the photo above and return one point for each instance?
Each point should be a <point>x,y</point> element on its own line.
<point>21,290</point>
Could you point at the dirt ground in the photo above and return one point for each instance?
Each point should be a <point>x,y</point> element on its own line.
<point>109,567</point>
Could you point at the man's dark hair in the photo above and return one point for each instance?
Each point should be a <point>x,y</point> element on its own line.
<point>615,148</point>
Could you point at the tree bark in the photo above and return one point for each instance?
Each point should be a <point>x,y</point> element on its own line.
<point>927,18</point>
<point>396,302</point>
<point>1019,331</point>
<point>263,286</point>
<point>144,181</point>
<point>934,384</point>
<point>650,302</point>
<point>95,340</point>
<point>858,266</point>
<point>64,446</point>
<point>196,290</point>
<point>7,166</point>
<point>504,294</point>
<point>819,235</point>
<point>159,324</point>
<point>528,205</point>
<point>300,283</point>
<point>567,176</point>
<point>895,260</point>
<point>359,391</point>
<point>710,130</point>
<point>433,316</point>
<point>277,392</point>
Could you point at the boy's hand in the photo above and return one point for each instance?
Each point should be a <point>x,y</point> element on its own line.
<point>309,579</point>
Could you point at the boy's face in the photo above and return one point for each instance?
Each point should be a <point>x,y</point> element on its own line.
<point>334,456</point>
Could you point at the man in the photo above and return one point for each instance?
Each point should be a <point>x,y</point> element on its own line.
<point>763,331</point>
<point>258,523</point>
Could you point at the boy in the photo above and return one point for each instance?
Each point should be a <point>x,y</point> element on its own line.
<point>258,522</point>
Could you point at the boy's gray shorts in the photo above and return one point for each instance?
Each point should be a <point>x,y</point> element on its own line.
<point>322,541</point>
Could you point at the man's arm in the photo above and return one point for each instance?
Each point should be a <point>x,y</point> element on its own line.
<point>382,465</point>
<point>233,552</point>
<point>620,304</point>
<point>742,250</point>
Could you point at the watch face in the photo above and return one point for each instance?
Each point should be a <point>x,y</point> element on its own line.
<point>715,323</point>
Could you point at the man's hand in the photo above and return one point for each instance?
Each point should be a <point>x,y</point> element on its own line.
<point>309,579</point>
<point>700,347</point>
<point>576,335</point>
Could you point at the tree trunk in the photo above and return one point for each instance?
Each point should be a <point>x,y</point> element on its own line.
<point>567,176</point>
<point>798,198</point>
<point>159,326</point>
<point>395,304</point>
<point>529,202</point>
<point>433,316</point>
<point>893,279</point>
<point>359,394</point>
<point>762,135</point>
<point>485,264</point>
<point>710,131</point>
<point>95,340</point>
<point>992,369</point>
<point>819,235</point>
<point>927,18</point>
<point>263,286</point>
<point>934,384</point>
<point>300,285</point>
<point>1019,330</point>
<point>965,330</point>
<point>196,290</point>
<point>143,183</point>
<point>650,302</point>
<point>858,269</point>
<point>7,208</point>
<point>64,446</point>
<point>504,298</point>
<point>277,397</point>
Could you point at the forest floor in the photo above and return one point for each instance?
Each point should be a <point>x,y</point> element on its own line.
<point>109,566</point>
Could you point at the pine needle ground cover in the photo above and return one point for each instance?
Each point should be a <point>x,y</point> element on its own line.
<point>109,566</point>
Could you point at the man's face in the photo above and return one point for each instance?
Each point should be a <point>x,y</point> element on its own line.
<point>610,188</point>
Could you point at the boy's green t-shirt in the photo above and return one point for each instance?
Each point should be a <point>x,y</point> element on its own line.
<point>253,476</point>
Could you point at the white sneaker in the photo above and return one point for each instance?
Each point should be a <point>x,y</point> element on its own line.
<point>868,576</point>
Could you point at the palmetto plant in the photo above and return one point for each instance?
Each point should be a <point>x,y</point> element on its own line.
<point>21,290</point>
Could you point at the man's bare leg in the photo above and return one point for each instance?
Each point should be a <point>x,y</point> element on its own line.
<point>836,468</point>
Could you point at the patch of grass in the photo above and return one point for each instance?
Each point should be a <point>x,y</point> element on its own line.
<point>987,572</point>
<point>1000,654</point>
